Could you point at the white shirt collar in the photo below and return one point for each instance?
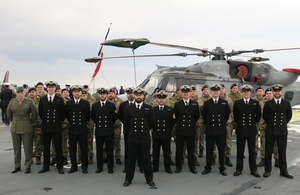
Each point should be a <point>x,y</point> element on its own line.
<point>52,97</point>
<point>215,99</point>
<point>277,100</point>
<point>141,104</point>
<point>248,100</point>
<point>131,101</point>
<point>77,100</point>
<point>102,102</point>
<point>188,101</point>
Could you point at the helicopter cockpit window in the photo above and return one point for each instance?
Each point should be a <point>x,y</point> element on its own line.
<point>153,83</point>
<point>171,86</point>
<point>289,95</point>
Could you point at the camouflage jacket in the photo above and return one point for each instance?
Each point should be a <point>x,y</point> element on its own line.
<point>91,98</point>
<point>117,102</point>
<point>261,124</point>
<point>38,122</point>
<point>230,103</point>
<point>200,121</point>
<point>65,123</point>
<point>176,98</point>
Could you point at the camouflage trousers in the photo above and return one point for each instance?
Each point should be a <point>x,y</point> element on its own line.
<point>229,127</point>
<point>38,141</point>
<point>261,138</point>
<point>117,143</point>
<point>90,142</point>
<point>65,149</point>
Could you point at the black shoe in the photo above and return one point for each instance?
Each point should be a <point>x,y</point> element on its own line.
<point>255,174</point>
<point>43,170</point>
<point>206,171</point>
<point>124,170</point>
<point>228,162</point>
<point>104,160</point>
<point>142,171</point>
<point>223,172</point>
<point>287,175</point>
<point>72,170</point>
<point>151,183</point>
<point>16,170</point>
<point>126,183</point>
<point>213,161</point>
<point>53,161</point>
<point>98,170</point>
<point>194,171</point>
<point>266,174</point>
<point>28,170</point>
<point>169,171</point>
<point>60,170</point>
<point>118,161</point>
<point>65,161</point>
<point>237,173</point>
<point>84,171</point>
<point>172,162</point>
<point>110,171</point>
<point>177,170</point>
<point>200,153</point>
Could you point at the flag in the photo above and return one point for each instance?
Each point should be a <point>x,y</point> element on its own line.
<point>100,54</point>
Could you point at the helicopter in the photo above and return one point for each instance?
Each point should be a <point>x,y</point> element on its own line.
<point>219,69</point>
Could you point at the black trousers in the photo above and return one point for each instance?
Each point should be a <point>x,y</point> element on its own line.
<point>240,144</point>
<point>165,144</point>
<point>220,141</point>
<point>190,142</point>
<point>109,144</point>
<point>139,156</point>
<point>281,144</point>
<point>135,150</point>
<point>57,141</point>
<point>4,116</point>
<point>82,140</point>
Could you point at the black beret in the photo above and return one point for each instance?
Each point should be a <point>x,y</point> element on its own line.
<point>31,89</point>
<point>205,86</point>
<point>85,86</point>
<point>259,88</point>
<point>268,89</point>
<point>84,92</point>
<point>233,85</point>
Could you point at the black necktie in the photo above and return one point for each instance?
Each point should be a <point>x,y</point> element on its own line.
<point>246,102</point>
<point>102,104</point>
<point>138,106</point>
<point>160,108</point>
<point>76,102</point>
<point>50,99</point>
<point>277,102</point>
<point>130,103</point>
<point>186,103</point>
<point>216,101</point>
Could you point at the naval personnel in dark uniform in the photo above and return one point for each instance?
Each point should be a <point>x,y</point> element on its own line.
<point>277,113</point>
<point>215,114</point>
<point>247,113</point>
<point>138,120</point>
<point>52,112</point>
<point>187,114</point>
<point>121,113</point>
<point>78,115</point>
<point>104,115</point>
<point>162,132</point>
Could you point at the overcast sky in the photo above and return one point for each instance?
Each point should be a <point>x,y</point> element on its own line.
<point>49,40</point>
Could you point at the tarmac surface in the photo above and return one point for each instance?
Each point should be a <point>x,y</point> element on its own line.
<point>177,183</point>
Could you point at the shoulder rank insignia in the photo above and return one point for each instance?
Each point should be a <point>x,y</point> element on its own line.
<point>147,108</point>
<point>254,104</point>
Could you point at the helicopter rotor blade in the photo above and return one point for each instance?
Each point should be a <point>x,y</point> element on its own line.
<point>234,53</point>
<point>96,59</point>
<point>180,47</point>
<point>255,59</point>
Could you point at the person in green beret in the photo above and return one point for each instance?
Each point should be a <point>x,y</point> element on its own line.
<point>22,112</point>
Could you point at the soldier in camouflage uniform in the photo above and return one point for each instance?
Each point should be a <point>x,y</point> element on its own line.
<point>234,95</point>
<point>90,126</point>
<point>37,129</point>
<point>205,96</point>
<point>199,123</point>
<point>261,127</point>
<point>229,126</point>
<point>113,98</point>
<point>65,125</point>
